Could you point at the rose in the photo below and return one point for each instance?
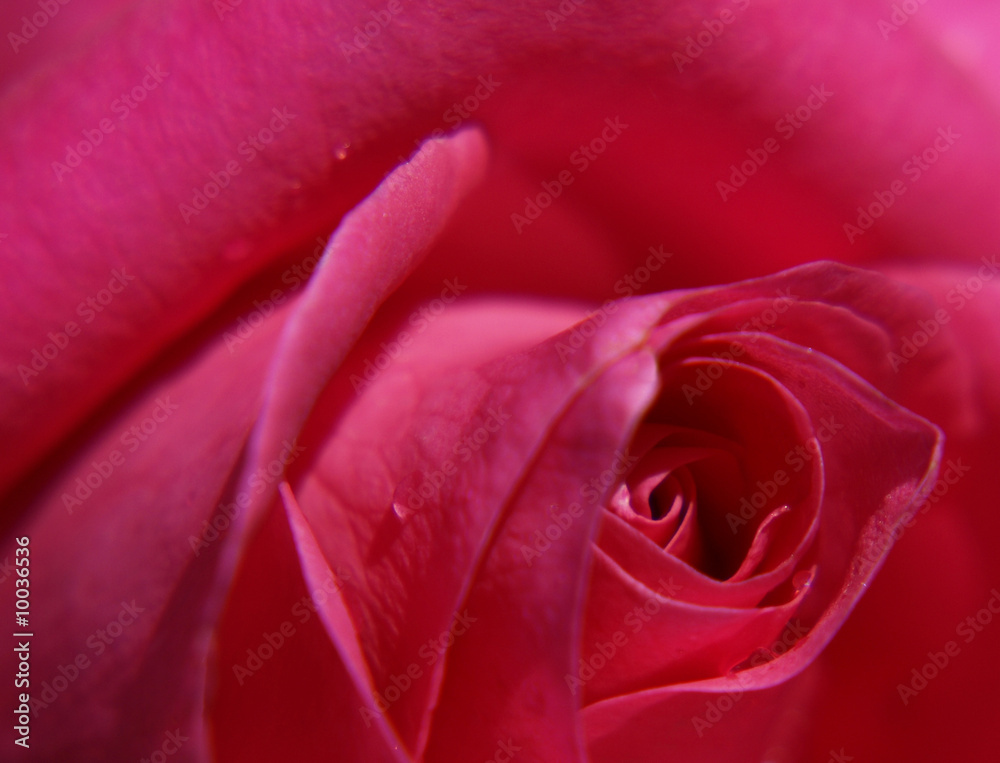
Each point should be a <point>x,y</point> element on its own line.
<point>948,194</point>
<point>522,445</point>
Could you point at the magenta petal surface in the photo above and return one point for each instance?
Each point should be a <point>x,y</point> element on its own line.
<point>528,615</point>
<point>121,596</point>
<point>417,559</point>
<point>114,248</point>
<point>339,120</point>
<point>169,521</point>
<point>438,477</point>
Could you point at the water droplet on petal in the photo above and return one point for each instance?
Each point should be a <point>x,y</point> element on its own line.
<point>340,151</point>
<point>802,579</point>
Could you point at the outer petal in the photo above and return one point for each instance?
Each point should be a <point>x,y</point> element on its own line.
<point>349,118</point>
<point>241,712</point>
<point>942,570</point>
<point>283,688</point>
<point>64,27</point>
<point>375,249</point>
<point>230,399</point>
<point>513,665</point>
<point>416,559</point>
<point>122,604</point>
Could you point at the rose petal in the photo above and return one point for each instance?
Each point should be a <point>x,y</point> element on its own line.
<point>940,571</point>
<point>861,509</point>
<point>297,676</point>
<point>231,402</point>
<point>361,499</point>
<point>527,633</point>
<point>128,543</point>
<point>342,105</point>
<point>375,248</point>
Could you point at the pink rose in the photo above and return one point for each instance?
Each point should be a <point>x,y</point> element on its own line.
<point>449,514</point>
<point>173,349</point>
